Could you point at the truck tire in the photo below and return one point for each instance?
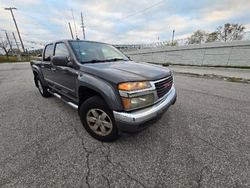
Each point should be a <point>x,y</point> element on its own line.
<point>98,119</point>
<point>42,89</point>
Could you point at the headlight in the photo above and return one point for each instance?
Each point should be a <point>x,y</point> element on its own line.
<point>138,102</point>
<point>131,86</point>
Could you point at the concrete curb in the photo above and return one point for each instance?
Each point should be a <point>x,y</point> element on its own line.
<point>214,76</point>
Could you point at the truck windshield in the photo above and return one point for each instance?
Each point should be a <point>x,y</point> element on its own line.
<point>93,52</point>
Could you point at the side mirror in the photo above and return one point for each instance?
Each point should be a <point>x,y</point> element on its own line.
<point>60,60</point>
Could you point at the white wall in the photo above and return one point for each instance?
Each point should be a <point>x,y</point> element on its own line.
<point>223,54</point>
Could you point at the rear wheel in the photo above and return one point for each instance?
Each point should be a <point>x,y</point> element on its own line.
<point>98,119</point>
<point>42,89</point>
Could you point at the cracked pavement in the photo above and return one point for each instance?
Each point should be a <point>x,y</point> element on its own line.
<point>201,141</point>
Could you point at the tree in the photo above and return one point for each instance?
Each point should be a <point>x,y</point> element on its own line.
<point>5,46</point>
<point>172,43</point>
<point>198,37</point>
<point>212,37</point>
<point>230,32</point>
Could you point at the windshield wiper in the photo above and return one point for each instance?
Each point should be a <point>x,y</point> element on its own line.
<point>94,61</point>
<point>104,60</point>
<point>117,59</point>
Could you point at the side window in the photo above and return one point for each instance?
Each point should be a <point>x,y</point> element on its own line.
<point>48,52</point>
<point>61,50</point>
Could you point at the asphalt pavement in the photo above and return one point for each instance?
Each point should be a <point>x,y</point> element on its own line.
<point>201,141</point>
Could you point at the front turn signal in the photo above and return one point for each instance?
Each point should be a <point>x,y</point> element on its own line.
<point>131,86</point>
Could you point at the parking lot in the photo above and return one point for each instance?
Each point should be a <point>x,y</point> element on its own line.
<point>201,141</point>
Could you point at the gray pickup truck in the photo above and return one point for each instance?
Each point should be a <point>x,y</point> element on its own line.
<point>112,93</point>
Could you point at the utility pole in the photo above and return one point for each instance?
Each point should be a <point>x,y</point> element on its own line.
<point>83,27</point>
<point>15,41</point>
<point>9,41</point>
<point>173,37</point>
<point>71,31</point>
<point>74,23</point>
<point>10,9</point>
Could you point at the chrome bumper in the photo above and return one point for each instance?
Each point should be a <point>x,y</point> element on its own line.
<point>143,115</point>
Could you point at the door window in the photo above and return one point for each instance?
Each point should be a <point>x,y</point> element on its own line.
<point>48,52</point>
<point>61,50</point>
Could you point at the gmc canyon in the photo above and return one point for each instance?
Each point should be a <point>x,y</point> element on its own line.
<point>112,93</point>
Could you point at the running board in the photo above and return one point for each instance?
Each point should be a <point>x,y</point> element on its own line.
<point>60,97</point>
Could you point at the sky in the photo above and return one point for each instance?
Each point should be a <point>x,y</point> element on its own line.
<point>119,21</point>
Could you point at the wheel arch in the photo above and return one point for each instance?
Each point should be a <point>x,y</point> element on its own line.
<point>37,72</point>
<point>93,86</point>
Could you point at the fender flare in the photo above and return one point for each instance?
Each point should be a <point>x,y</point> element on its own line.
<point>105,89</point>
<point>36,69</point>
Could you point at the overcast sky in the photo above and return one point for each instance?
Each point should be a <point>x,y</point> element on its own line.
<point>121,21</point>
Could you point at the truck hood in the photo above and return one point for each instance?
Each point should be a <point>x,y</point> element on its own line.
<point>124,71</point>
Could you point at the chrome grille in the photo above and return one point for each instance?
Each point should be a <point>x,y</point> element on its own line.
<point>163,86</point>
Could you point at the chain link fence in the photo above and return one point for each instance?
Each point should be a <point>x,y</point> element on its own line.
<point>13,46</point>
<point>176,42</point>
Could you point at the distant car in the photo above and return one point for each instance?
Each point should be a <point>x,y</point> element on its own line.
<point>112,93</point>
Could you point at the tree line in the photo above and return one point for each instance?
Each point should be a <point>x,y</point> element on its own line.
<point>225,33</point>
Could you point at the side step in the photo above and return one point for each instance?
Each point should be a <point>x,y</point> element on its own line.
<point>64,100</point>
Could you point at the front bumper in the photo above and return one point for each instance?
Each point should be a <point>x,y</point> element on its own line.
<point>132,121</point>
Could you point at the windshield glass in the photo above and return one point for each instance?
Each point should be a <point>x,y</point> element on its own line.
<point>96,52</point>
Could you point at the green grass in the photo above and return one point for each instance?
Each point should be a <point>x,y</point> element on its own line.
<point>14,59</point>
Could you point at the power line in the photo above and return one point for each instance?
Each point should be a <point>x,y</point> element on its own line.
<point>123,18</point>
<point>130,15</point>
<point>139,12</point>
<point>143,10</point>
<point>33,42</point>
<point>37,23</point>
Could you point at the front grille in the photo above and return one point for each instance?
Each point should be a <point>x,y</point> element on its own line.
<point>163,86</point>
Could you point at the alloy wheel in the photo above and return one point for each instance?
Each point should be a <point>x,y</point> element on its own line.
<point>99,122</point>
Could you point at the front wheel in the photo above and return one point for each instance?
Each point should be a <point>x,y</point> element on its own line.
<point>42,89</point>
<point>98,119</point>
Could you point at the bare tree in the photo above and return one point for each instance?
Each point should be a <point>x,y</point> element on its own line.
<point>230,32</point>
<point>5,46</point>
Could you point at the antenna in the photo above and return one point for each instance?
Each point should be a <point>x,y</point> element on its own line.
<point>74,22</point>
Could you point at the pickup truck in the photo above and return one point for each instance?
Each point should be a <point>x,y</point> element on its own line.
<point>112,93</point>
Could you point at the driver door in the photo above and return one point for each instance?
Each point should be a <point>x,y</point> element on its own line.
<point>65,76</point>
